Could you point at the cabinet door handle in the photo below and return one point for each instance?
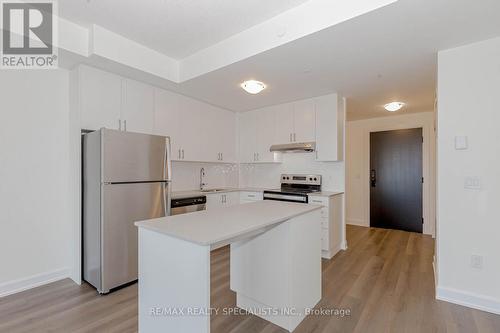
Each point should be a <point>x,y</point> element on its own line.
<point>222,156</point>
<point>294,137</point>
<point>119,124</point>
<point>317,201</point>
<point>183,154</point>
<point>179,154</point>
<point>258,156</point>
<point>290,137</point>
<point>125,125</point>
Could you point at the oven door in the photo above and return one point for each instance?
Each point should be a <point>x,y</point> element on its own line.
<point>290,197</point>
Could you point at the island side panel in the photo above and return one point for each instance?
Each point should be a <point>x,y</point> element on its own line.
<point>174,278</point>
<point>305,264</point>
<point>280,269</point>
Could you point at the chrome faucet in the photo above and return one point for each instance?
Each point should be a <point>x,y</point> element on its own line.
<point>202,174</point>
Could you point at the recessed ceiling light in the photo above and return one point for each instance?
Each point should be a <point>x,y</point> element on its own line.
<point>394,106</point>
<point>253,87</point>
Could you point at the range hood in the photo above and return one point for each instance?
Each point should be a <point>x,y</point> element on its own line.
<point>299,147</point>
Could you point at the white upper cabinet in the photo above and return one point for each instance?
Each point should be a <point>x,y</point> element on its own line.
<point>138,107</point>
<point>100,98</point>
<point>248,136</point>
<point>319,120</point>
<point>304,121</point>
<point>224,131</point>
<point>167,119</point>
<point>192,136</point>
<point>284,123</point>
<point>265,133</point>
<point>199,131</point>
<point>295,122</point>
<point>330,120</point>
<point>257,131</point>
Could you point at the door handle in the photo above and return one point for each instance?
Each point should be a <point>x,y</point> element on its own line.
<point>119,124</point>
<point>125,125</point>
<point>290,137</point>
<point>294,137</point>
<point>166,199</point>
<point>373,178</point>
<point>182,153</point>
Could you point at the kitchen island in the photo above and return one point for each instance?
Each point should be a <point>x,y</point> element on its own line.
<point>275,264</point>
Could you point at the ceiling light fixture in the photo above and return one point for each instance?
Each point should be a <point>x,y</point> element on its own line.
<point>394,106</point>
<point>253,87</point>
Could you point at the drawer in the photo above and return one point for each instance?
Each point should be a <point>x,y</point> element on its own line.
<point>251,196</point>
<point>325,240</point>
<point>319,201</point>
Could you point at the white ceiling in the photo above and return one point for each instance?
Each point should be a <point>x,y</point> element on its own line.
<point>177,28</point>
<point>386,55</point>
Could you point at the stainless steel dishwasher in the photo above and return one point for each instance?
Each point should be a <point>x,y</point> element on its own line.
<point>188,205</point>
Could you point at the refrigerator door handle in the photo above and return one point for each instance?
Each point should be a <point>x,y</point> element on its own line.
<point>167,161</point>
<point>166,198</point>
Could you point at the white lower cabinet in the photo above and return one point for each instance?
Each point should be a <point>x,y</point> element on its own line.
<point>221,200</point>
<point>331,223</point>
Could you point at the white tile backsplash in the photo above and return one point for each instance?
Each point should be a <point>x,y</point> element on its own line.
<point>268,175</point>
<point>186,175</point>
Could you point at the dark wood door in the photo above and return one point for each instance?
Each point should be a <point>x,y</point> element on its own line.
<point>396,180</point>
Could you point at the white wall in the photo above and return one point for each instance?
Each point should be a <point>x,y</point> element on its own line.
<point>268,175</point>
<point>358,164</point>
<point>34,176</point>
<point>186,175</point>
<point>469,220</point>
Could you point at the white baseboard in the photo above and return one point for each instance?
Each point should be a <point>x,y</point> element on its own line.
<point>16,286</point>
<point>471,300</point>
<point>358,222</point>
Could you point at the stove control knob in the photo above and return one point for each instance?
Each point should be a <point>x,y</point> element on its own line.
<point>310,179</point>
<point>315,178</point>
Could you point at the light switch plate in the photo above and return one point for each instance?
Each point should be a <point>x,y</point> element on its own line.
<point>476,262</point>
<point>472,183</point>
<point>461,143</point>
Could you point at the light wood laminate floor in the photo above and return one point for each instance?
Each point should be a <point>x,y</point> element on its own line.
<point>385,279</point>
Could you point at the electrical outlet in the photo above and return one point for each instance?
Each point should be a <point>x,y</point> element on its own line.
<point>476,262</point>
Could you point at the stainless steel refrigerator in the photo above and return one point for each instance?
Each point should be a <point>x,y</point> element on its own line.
<point>126,178</point>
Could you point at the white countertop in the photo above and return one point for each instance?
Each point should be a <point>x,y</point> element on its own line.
<point>195,193</point>
<point>216,226</point>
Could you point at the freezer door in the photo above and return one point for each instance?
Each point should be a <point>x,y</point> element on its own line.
<point>134,157</point>
<point>124,204</point>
